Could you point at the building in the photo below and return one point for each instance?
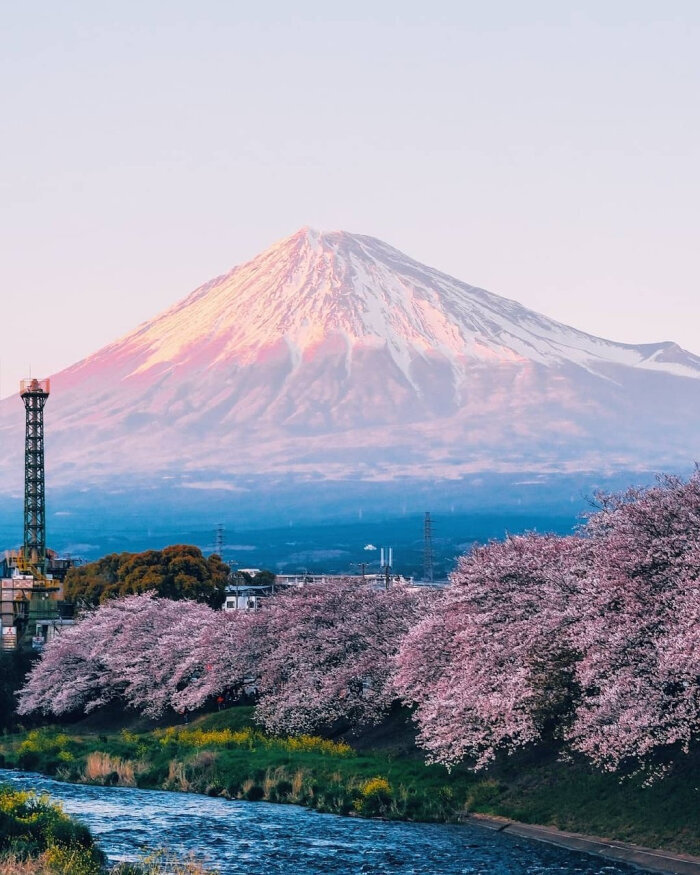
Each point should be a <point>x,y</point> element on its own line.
<point>243,595</point>
<point>31,611</point>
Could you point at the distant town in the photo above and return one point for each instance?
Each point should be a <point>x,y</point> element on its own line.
<point>35,605</point>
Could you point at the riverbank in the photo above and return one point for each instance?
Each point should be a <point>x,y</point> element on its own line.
<point>647,859</point>
<point>52,863</point>
<point>36,836</point>
<point>378,774</point>
<point>239,837</point>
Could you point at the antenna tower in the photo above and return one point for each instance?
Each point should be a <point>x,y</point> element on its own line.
<point>428,573</point>
<point>34,393</point>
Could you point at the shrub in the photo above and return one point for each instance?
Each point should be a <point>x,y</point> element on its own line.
<point>31,825</point>
<point>375,797</point>
<point>102,768</point>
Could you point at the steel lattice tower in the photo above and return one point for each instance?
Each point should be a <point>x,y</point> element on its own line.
<point>428,548</point>
<point>219,541</point>
<point>34,394</point>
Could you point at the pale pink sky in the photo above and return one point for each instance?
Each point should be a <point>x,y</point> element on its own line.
<point>548,154</point>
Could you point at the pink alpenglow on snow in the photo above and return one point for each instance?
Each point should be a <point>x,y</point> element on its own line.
<point>334,354</point>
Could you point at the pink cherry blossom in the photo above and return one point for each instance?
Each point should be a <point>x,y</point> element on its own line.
<point>327,653</point>
<point>493,664</point>
<point>638,632</point>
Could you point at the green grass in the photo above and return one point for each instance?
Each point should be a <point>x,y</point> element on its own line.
<point>378,774</point>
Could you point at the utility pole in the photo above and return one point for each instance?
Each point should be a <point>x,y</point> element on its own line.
<point>385,561</point>
<point>362,566</point>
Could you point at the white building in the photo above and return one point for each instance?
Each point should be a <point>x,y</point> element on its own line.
<point>248,596</point>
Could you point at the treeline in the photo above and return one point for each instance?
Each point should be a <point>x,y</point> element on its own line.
<point>312,656</point>
<point>177,572</point>
<point>589,642</point>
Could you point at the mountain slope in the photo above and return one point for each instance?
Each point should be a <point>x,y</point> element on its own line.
<point>335,355</point>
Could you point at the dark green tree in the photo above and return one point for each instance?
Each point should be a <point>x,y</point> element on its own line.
<point>177,572</point>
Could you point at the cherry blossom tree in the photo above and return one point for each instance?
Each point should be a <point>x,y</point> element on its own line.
<point>492,667</point>
<point>594,638</point>
<point>326,653</point>
<point>312,656</point>
<point>151,660</point>
<point>223,659</point>
<point>130,648</point>
<point>67,678</point>
<point>639,628</point>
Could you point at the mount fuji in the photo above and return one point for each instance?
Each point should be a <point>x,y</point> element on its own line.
<point>335,357</point>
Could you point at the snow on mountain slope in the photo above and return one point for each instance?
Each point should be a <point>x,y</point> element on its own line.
<point>311,284</point>
<point>336,355</point>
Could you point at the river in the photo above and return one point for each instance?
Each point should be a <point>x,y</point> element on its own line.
<point>258,838</point>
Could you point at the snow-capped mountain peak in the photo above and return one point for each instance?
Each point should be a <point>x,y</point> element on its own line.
<point>335,355</point>
<point>362,291</point>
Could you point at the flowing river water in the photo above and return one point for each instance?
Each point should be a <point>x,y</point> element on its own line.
<point>259,838</point>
